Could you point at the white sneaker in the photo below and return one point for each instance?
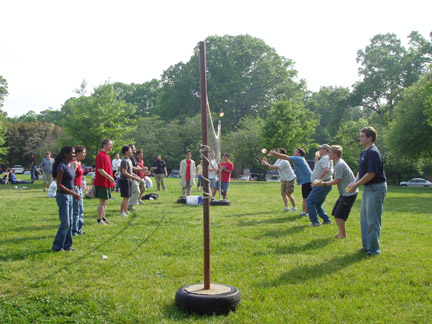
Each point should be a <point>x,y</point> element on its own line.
<point>286,209</point>
<point>303,214</point>
<point>122,214</point>
<point>294,209</point>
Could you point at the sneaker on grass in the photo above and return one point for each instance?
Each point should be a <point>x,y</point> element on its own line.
<point>294,209</point>
<point>100,222</point>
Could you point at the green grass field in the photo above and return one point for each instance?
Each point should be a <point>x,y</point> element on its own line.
<point>286,271</point>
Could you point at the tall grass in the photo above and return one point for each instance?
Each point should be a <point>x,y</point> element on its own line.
<point>286,271</point>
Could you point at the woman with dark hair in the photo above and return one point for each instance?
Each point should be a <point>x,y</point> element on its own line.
<point>64,175</point>
<point>33,167</point>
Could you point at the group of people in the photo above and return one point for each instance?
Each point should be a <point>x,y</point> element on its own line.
<point>330,169</point>
<point>188,170</point>
<point>68,174</point>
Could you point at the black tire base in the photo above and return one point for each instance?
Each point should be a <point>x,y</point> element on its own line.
<point>220,202</point>
<point>221,303</point>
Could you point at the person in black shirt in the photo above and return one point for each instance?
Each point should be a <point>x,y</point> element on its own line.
<point>160,172</point>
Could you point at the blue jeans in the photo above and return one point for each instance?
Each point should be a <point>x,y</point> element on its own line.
<point>78,211</point>
<point>63,238</point>
<point>314,204</point>
<point>370,216</point>
<point>32,172</point>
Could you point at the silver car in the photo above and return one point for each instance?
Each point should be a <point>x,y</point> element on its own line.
<point>416,182</point>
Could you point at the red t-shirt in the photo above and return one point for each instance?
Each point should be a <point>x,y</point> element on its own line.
<point>188,163</point>
<point>225,176</point>
<point>140,163</point>
<point>103,161</point>
<point>78,175</point>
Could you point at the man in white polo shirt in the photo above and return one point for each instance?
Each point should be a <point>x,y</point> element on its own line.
<point>287,176</point>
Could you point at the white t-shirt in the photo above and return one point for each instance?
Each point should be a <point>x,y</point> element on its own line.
<point>116,164</point>
<point>212,165</point>
<point>285,171</point>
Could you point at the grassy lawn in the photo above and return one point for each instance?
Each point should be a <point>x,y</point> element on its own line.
<point>286,271</point>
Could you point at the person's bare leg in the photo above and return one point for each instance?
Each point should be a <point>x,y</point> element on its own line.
<point>101,208</point>
<point>304,206</point>
<point>291,199</point>
<point>285,199</point>
<point>342,229</point>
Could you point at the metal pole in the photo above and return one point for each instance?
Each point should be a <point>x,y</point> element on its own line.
<point>220,157</point>
<point>206,202</point>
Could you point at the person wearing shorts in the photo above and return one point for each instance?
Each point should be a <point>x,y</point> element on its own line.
<point>226,170</point>
<point>343,176</point>
<point>213,170</point>
<point>287,176</point>
<point>302,171</point>
<point>125,179</point>
<point>103,180</point>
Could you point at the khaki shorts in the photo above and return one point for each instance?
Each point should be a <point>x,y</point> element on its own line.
<point>47,177</point>
<point>287,186</point>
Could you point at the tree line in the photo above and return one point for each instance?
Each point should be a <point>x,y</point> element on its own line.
<point>263,103</point>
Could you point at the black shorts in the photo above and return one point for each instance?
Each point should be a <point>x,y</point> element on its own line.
<point>125,188</point>
<point>343,206</point>
<point>306,189</point>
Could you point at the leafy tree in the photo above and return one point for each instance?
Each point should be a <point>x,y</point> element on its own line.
<point>244,77</point>
<point>332,107</point>
<point>244,144</point>
<point>289,125</point>
<point>26,138</point>
<point>89,119</point>
<point>3,94</point>
<point>169,139</point>
<point>411,134</point>
<point>386,68</point>
<point>143,96</point>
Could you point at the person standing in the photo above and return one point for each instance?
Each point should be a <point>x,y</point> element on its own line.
<point>46,167</point>
<point>213,171</point>
<point>142,173</point>
<point>135,183</point>
<point>125,179</point>
<point>323,170</point>
<point>33,167</point>
<point>78,205</point>
<point>116,166</point>
<point>302,171</point>
<point>103,180</point>
<point>187,174</point>
<point>160,172</point>
<point>64,175</point>
<point>226,170</point>
<point>199,173</point>
<point>287,176</point>
<point>343,176</point>
<point>371,175</point>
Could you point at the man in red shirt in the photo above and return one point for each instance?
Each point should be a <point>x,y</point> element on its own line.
<point>103,180</point>
<point>226,170</point>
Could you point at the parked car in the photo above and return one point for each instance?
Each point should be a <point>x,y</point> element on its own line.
<point>416,182</point>
<point>245,178</point>
<point>27,172</point>
<point>90,174</point>
<point>18,169</point>
<point>274,178</point>
<point>88,168</point>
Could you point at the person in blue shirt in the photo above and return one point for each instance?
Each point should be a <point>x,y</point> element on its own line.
<point>14,180</point>
<point>302,171</point>
<point>371,176</point>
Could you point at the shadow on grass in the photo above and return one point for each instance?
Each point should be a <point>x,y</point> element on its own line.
<point>102,244</point>
<point>282,232</point>
<point>28,228</point>
<point>23,239</point>
<point>310,272</point>
<point>273,220</point>
<point>300,248</point>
